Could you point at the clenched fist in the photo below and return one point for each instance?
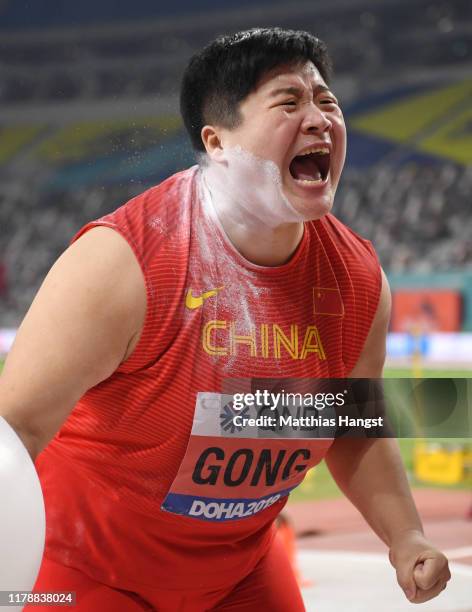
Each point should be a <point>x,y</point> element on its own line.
<point>422,570</point>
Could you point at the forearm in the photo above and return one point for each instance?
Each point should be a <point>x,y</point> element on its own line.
<point>371,474</point>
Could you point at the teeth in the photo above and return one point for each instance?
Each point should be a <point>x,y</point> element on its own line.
<point>308,182</point>
<point>320,150</point>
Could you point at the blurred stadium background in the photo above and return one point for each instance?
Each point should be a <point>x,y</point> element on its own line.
<point>89,118</point>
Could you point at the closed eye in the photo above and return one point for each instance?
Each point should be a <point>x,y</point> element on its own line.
<point>328,101</point>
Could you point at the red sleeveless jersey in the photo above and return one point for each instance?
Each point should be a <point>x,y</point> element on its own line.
<point>145,483</point>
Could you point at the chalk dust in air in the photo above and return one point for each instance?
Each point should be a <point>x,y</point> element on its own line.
<point>243,193</point>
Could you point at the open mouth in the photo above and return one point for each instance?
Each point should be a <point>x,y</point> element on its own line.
<point>312,166</point>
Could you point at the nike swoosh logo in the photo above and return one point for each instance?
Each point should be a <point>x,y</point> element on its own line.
<point>193,301</point>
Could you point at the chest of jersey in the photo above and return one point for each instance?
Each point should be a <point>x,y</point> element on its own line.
<point>243,320</point>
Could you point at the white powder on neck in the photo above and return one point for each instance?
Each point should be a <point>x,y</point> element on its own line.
<point>247,192</point>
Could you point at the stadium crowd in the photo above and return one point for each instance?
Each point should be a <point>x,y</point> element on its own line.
<point>416,215</point>
<point>109,61</point>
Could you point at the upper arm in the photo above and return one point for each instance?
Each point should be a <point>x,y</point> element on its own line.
<point>346,452</point>
<point>372,358</point>
<point>83,322</point>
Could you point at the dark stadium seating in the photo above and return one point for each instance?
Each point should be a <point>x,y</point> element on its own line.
<point>64,160</point>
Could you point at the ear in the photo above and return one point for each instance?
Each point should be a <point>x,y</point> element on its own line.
<point>212,141</point>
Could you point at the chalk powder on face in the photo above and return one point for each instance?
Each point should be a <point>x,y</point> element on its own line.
<point>239,193</point>
<point>247,192</point>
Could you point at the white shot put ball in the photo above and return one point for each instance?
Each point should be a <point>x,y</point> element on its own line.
<point>22,516</point>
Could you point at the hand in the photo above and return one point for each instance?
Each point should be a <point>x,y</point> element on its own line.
<point>422,570</point>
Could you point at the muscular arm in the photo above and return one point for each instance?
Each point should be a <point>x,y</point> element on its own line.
<point>370,473</point>
<point>84,321</point>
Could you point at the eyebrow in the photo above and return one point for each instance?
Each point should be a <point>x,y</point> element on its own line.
<point>296,91</point>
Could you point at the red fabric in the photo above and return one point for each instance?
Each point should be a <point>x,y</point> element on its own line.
<point>90,595</point>
<point>105,474</point>
<point>271,585</point>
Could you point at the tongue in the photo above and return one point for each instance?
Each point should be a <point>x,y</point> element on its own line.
<point>305,168</point>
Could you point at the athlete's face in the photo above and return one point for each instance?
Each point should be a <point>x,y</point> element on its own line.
<point>291,113</point>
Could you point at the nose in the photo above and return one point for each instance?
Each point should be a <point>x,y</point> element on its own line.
<point>315,120</point>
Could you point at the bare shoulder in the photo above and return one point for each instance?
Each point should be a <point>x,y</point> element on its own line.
<point>99,279</point>
<point>104,264</point>
<point>371,361</point>
<point>84,321</point>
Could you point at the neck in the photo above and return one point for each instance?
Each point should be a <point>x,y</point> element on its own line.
<point>246,195</point>
<point>268,248</point>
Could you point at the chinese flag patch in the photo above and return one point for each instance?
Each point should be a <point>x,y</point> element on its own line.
<point>327,301</point>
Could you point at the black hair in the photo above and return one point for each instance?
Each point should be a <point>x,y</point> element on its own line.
<point>227,70</point>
